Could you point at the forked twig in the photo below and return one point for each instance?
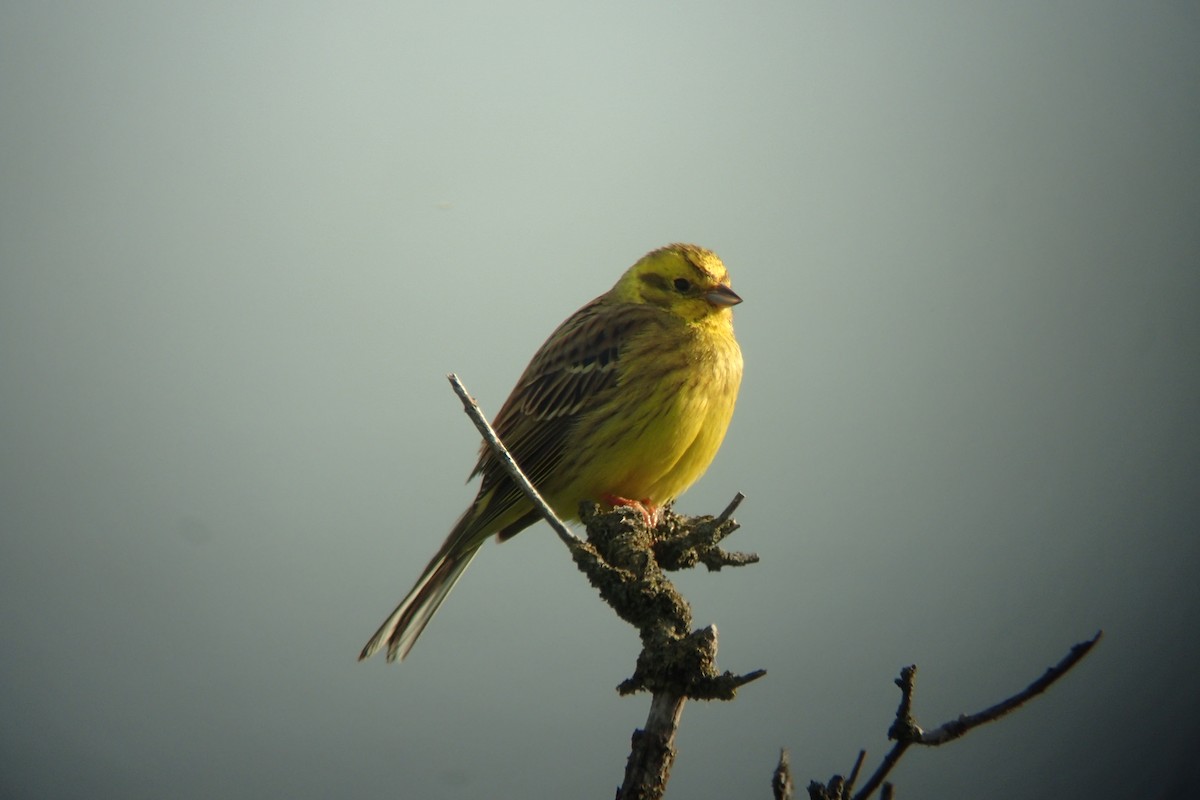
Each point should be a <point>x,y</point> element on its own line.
<point>906,732</point>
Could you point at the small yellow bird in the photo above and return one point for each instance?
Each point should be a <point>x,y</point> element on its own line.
<point>626,403</point>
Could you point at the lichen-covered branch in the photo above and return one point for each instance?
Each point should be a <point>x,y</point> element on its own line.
<point>621,559</point>
<point>625,559</point>
<point>781,779</point>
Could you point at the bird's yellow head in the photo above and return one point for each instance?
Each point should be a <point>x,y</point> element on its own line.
<point>686,280</point>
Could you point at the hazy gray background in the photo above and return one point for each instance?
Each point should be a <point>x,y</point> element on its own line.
<point>241,246</point>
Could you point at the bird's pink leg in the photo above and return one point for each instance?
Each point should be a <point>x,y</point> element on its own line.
<point>646,507</point>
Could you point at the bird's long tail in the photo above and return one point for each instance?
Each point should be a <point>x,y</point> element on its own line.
<point>400,630</point>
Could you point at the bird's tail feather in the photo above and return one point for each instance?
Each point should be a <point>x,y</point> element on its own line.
<point>400,630</point>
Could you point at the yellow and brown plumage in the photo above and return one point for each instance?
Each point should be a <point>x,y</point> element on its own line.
<point>629,398</point>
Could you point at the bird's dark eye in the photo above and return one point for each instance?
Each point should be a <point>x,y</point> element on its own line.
<point>682,285</point>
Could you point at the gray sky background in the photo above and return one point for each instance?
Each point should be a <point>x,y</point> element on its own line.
<point>241,245</point>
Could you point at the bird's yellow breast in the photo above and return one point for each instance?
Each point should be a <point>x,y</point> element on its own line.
<point>665,421</point>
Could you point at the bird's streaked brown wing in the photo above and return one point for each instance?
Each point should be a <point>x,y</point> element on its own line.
<point>574,371</point>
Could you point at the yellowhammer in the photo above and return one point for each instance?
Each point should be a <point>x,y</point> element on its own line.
<point>626,403</point>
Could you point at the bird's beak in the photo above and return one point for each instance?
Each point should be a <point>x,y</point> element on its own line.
<point>722,297</point>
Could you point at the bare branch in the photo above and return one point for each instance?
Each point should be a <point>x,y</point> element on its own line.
<point>652,752</point>
<point>889,762</point>
<point>508,462</point>
<point>732,507</point>
<point>858,762</point>
<point>906,732</point>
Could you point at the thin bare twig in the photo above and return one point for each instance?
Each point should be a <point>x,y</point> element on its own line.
<point>953,729</point>
<point>509,463</point>
<point>858,762</point>
<point>732,507</point>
